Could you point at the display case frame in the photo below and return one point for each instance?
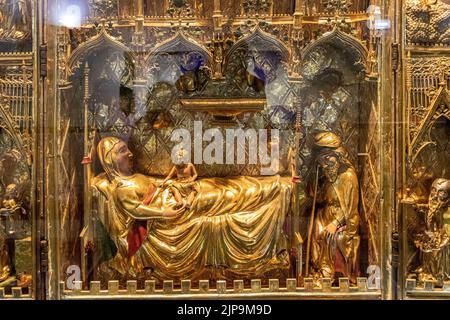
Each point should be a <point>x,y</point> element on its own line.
<point>53,51</point>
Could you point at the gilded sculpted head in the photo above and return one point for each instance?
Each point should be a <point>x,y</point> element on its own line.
<point>439,195</point>
<point>181,157</point>
<point>330,163</point>
<point>11,191</point>
<point>115,157</point>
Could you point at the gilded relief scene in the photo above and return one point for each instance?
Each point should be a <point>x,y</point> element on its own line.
<point>16,76</point>
<point>426,200</point>
<point>15,177</point>
<point>220,151</point>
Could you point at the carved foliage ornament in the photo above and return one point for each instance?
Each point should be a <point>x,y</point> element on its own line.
<point>180,8</point>
<point>102,8</point>
<point>337,6</point>
<point>428,22</point>
<point>256,6</point>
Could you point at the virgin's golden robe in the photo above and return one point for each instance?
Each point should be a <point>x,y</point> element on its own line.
<point>234,225</point>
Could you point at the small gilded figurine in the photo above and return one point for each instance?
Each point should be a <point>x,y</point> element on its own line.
<point>14,213</point>
<point>184,175</point>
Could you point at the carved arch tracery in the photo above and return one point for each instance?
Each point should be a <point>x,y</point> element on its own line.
<point>262,41</point>
<point>102,41</point>
<point>439,107</point>
<point>180,43</point>
<point>345,42</point>
<point>264,51</point>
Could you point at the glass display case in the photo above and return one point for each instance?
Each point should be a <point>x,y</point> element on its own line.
<point>224,149</point>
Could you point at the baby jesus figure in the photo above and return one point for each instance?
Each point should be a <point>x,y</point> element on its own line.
<point>181,178</point>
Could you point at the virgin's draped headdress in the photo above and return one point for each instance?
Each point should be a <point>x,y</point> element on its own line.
<point>105,154</point>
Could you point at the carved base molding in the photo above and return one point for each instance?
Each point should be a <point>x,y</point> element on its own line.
<point>427,290</point>
<point>221,291</point>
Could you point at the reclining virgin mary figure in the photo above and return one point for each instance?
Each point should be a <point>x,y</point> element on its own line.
<point>233,224</point>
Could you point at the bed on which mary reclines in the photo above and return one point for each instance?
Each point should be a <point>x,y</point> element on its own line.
<point>234,227</point>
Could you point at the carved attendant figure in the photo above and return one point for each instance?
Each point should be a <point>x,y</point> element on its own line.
<point>335,239</point>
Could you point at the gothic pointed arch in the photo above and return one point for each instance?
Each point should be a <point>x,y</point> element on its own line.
<point>262,41</point>
<point>343,41</point>
<point>439,108</point>
<point>100,41</point>
<point>178,44</point>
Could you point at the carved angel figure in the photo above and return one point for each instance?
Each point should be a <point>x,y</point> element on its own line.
<point>428,21</point>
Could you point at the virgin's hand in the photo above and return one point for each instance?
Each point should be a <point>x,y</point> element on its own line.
<point>173,210</point>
